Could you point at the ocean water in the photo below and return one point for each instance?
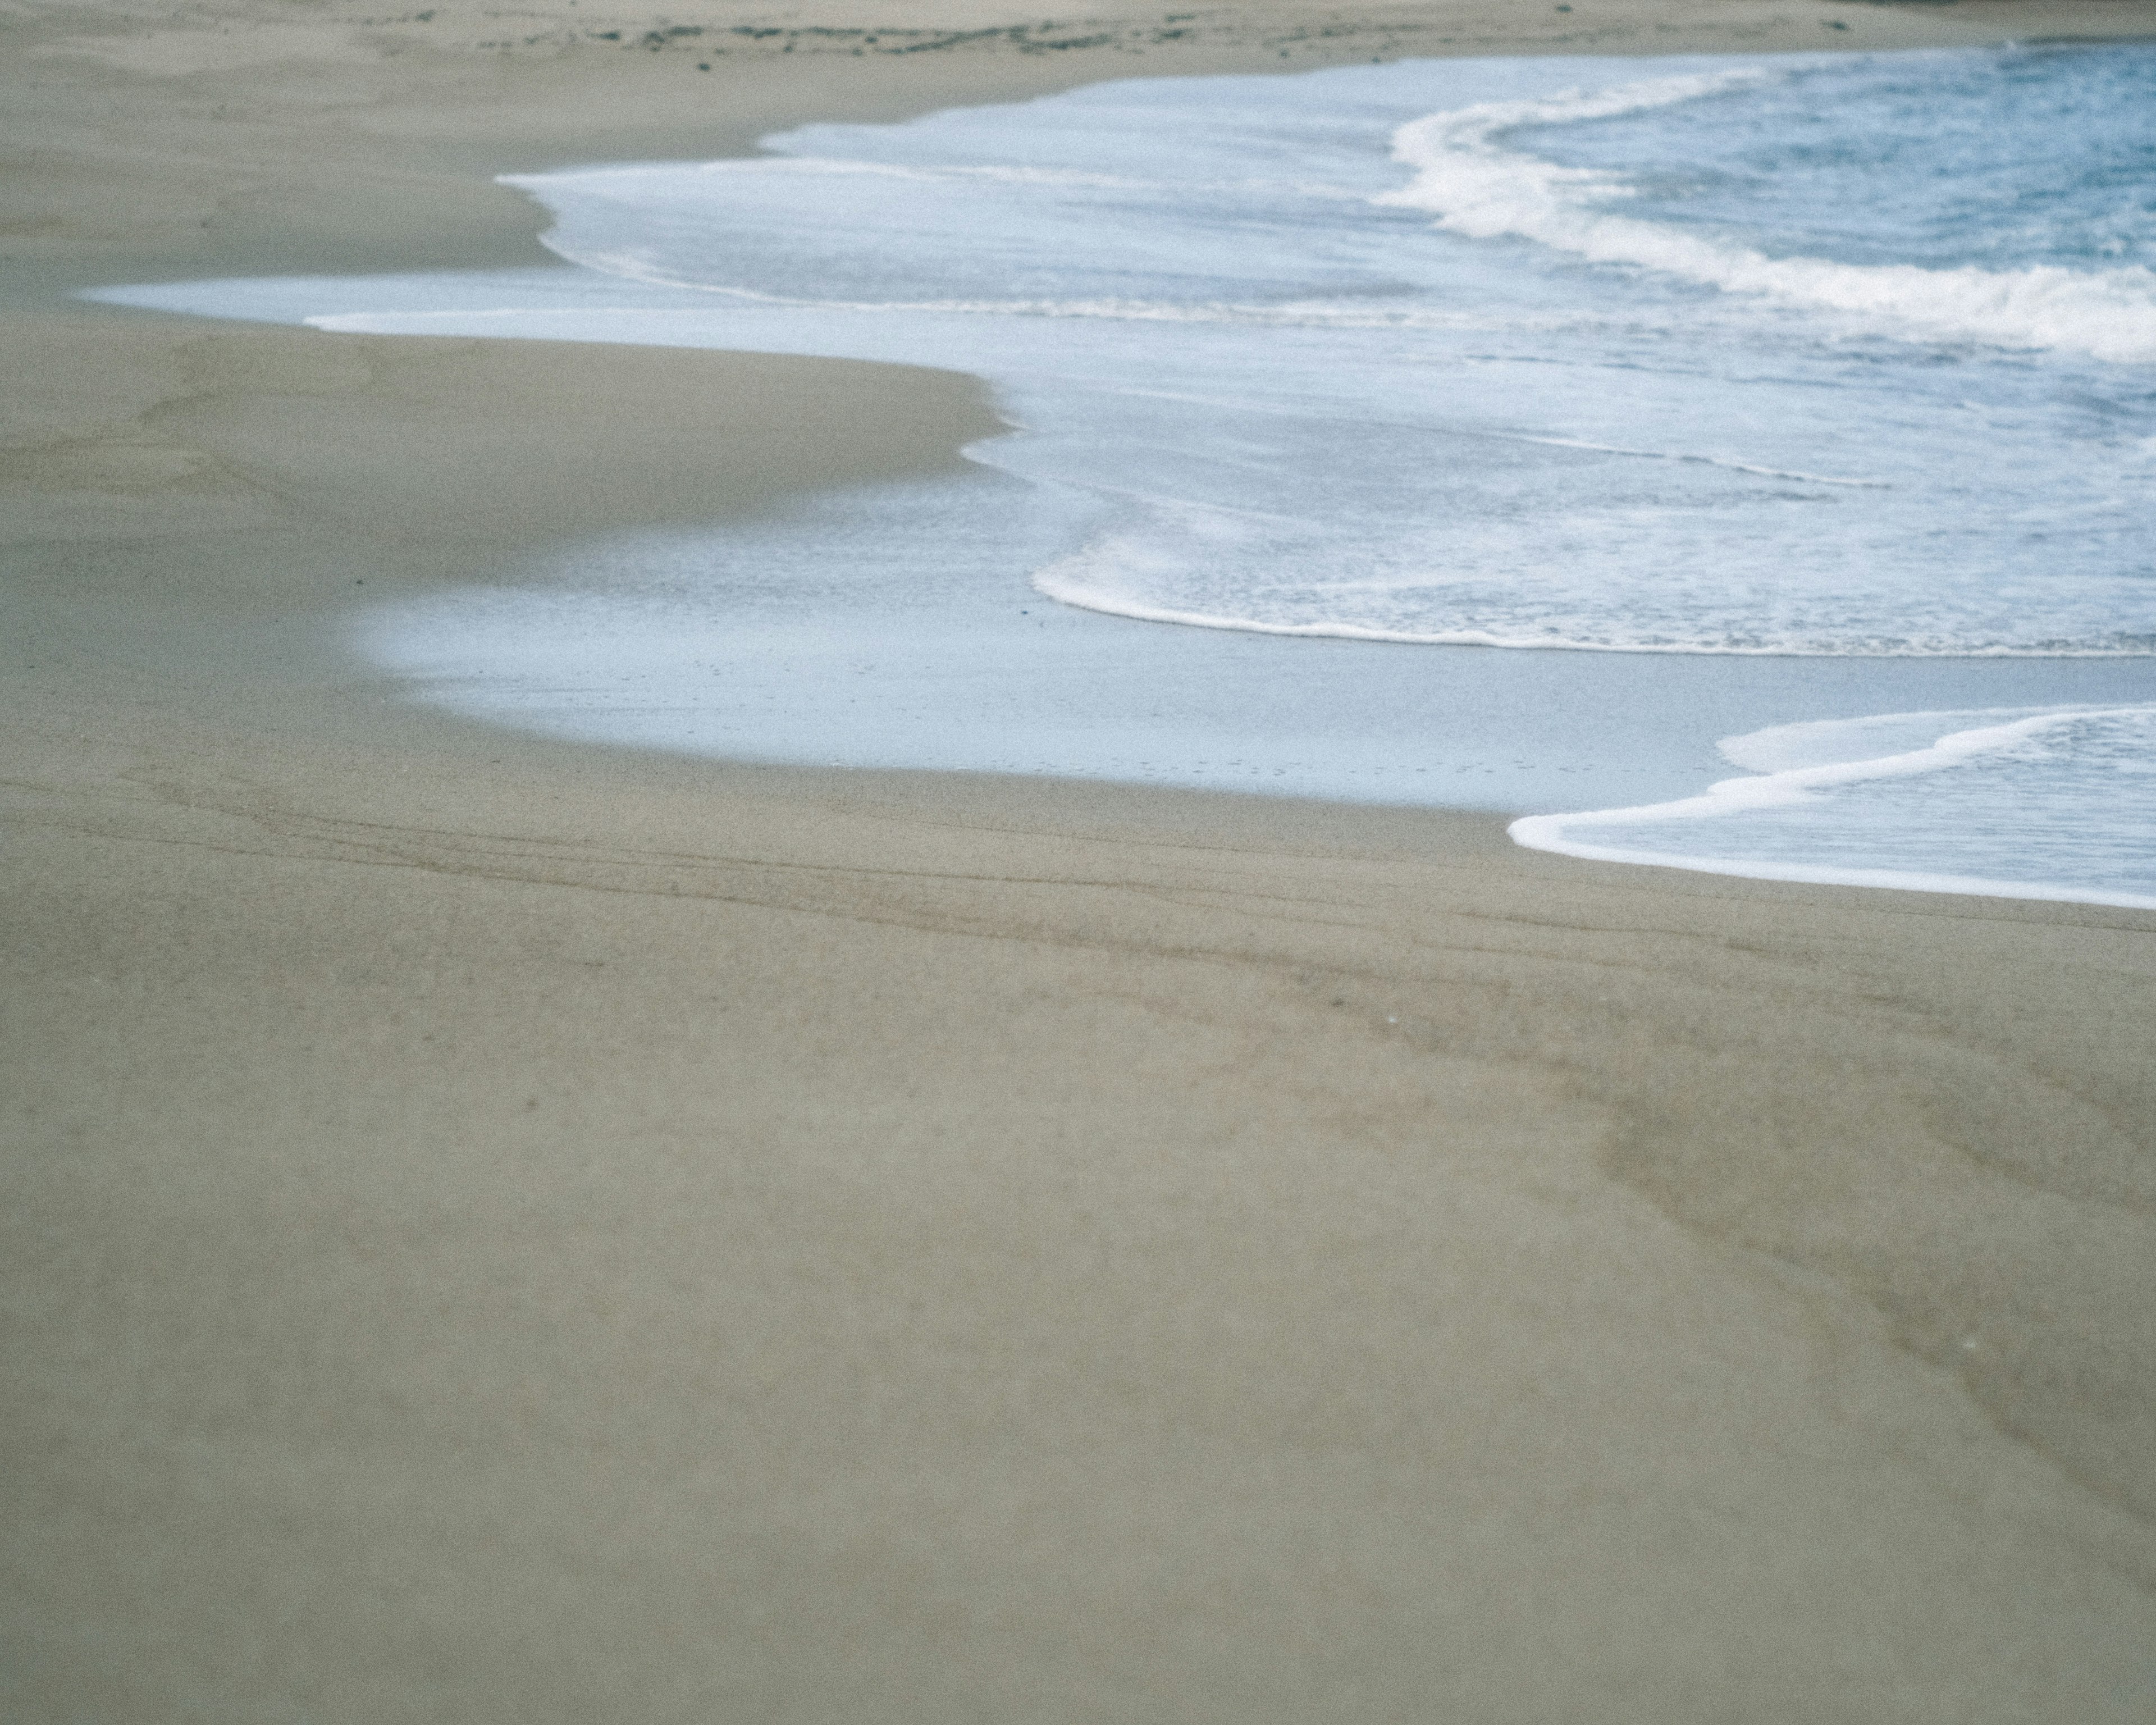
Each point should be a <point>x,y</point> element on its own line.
<point>1506,433</point>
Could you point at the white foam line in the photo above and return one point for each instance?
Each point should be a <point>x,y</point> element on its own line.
<point>1776,790</point>
<point>1474,186</point>
<point>1065,592</point>
<point>1795,785</point>
<point>1046,583</point>
<point>1755,750</point>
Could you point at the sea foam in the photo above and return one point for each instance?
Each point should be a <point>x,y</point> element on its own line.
<point>2055,803</point>
<point>1475,186</point>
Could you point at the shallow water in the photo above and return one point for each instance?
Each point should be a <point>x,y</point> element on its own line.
<point>1702,363</point>
<point>2049,802</point>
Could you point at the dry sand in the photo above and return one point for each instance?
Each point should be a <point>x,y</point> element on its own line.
<point>503,1231</point>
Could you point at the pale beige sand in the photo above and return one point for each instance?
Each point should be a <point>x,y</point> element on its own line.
<point>500,1231</point>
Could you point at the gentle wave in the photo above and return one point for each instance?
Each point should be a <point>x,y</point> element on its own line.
<point>1799,767</point>
<point>1475,186</point>
<point>1097,579</point>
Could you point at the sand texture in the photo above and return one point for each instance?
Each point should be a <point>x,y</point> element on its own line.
<point>498,1231</point>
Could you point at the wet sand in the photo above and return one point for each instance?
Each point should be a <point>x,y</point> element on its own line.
<point>501,1230</point>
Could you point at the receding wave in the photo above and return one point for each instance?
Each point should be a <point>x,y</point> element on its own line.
<point>1466,177</point>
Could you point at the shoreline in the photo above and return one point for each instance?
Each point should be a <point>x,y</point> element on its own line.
<point>628,651</point>
<point>514,1229</point>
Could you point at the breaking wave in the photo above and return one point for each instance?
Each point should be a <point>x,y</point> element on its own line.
<point>1466,176</point>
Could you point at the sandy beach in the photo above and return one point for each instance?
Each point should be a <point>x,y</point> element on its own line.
<point>498,1230</point>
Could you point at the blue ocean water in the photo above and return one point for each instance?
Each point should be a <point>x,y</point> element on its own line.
<point>1837,371</point>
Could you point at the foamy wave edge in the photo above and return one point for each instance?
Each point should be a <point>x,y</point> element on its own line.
<point>1475,187</point>
<point>1769,790</point>
<point>1050,584</point>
